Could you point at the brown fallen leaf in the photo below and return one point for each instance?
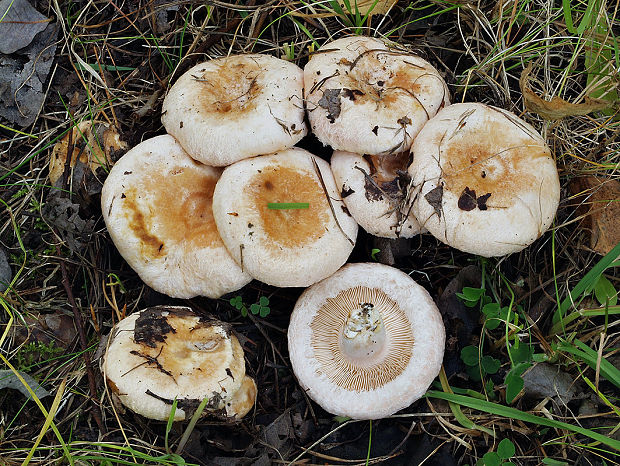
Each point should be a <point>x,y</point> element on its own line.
<point>95,143</point>
<point>557,108</point>
<point>55,328</point>
<point>381,7</point>
<point>599,201</point>
<point>374,7</point>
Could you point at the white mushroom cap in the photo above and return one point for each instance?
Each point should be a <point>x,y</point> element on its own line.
<point>484,181</point>
<point>364,96</point>
<point>366,342</point>
<point>165,353</point>
<point>156,203</point>
<point>236,107</point>
<point>374,192</point>
<point>283,247</point>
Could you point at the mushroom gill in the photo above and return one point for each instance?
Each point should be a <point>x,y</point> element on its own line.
<point>361,338</point>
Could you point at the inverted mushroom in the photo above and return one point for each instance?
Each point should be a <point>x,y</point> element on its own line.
<point>282,219</point>
<point>367,97</point>
<point>168,353</point>
<point>156,203</point>
<point>483,180</point>
<point>231,108</point>
<point>366,342</point>
<point>373,188</point>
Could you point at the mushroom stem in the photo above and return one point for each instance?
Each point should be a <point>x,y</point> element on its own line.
<point>363,334</point>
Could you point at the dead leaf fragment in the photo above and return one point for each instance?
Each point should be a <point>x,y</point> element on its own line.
<point>331,102</point>
<point>374,7</point>
<point>20,23</point>
<point>557,108</point>
<point>364,7</point>
<point>599,201</point>
<point>23,76</point>
<point>95,144</point>
<point>546,380</point>
<point>55,328</point>
<point>8,379</point>
<point>6,275</point>
<point>435,197</point>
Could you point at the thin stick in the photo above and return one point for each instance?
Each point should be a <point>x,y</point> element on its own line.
<point>83,343</point>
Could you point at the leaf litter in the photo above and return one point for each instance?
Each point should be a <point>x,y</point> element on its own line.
<point>27,51</point>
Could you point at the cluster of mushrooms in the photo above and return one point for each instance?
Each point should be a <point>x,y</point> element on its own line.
<point>202,211</point>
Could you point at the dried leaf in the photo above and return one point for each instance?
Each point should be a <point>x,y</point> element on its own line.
<point>546,380</point>
<point>331,102</point>
<point>434,197</point>
<point>6,275</point>
<point>467,200</point>
<point>64,215</point>
<point>557,108</point>
<point>23,77</point>
<point>20,23</point>
<point>95,144</point>
<point>8,379</point>
<point>55,328</point>
<point>599,201</point>
<point>460,321</point>
<point>374,7</point>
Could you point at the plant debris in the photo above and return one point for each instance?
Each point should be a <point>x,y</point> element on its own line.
<point>599,202</point>
<point>546,380</point>
<point>93,143</point>
<point>6,275</point>
<point>435,197</point>
<point>20,24</point>
<point>331,102</point>
<point>27,51</point>
<point>557,108</point>
<point>8,379</point>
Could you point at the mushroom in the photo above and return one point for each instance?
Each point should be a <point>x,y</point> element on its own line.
<point>235,107</point>
<point>366,96</point>
<point>156,204</point>
<point>483,180</point>
<point>168,353</point>
<point>282,219</point>
<point>366,342</point>
<point>373,189</point>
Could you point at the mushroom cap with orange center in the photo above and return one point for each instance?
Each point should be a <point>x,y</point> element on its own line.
<point>156,203</point>
<point>366,342</point>
<point>483,180</point>
<point>168,353</point>
<point>373,189</point>
<point>278,244</point>
<point>365,96</point>
<point>235,107</point>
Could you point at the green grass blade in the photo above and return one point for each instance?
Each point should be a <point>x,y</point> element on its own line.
<point>173,410</point>
<point>586,284</point>
<point>513,413</point>
<point>585,21</point>
<point>611,310</point>
<point>590,357</point>
<point>287,205</point>
<point>191,425</point>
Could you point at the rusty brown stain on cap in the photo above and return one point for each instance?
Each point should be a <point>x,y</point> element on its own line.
<point>382,87</point>
<point>231,87</point>
<point>486,163</point>
<point>290,228</point>
<point>179,210</point>
<point>194,350</point>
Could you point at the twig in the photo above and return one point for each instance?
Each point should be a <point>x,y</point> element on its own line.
<point>83,343</point>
